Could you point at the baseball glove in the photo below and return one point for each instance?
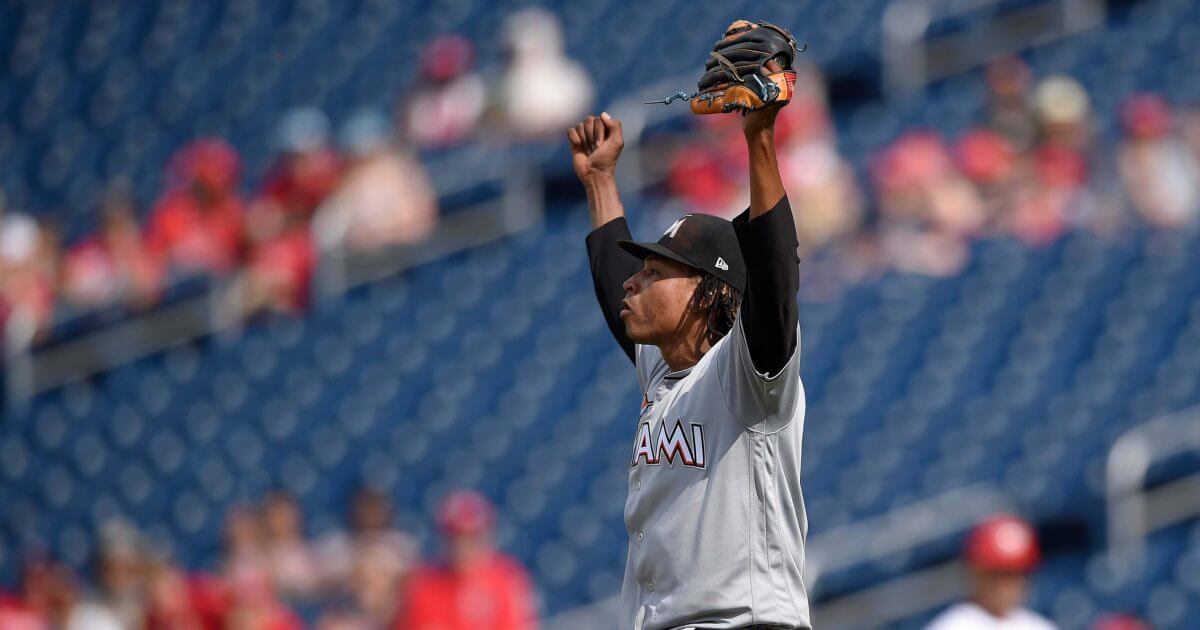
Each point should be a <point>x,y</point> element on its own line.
<point>738,75</point>
<point>749,67</point>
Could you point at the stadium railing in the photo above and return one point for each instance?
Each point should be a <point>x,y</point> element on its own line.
<point>1134,510</point>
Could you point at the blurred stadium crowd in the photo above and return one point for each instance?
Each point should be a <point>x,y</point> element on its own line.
<point>271,576</point>
<point>360,192</point>
<point>1033,167</point>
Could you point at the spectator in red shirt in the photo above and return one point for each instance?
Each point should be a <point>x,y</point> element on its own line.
<point>50,592</point>
<point>15,614</point>
<point>197,226</point>
<point>175,602</point>
<point>706,172</point>
<point>308,168</point>
<point>991,162</point>
<point>475,586</point>
<point>929,209</point>
<point>204,602</point>
<point>22,610</point>
<point>282,259</point>
<point>114,265</point>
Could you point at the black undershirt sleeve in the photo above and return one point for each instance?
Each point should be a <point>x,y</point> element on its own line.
<point>611,267</point>
<point>769,310</point>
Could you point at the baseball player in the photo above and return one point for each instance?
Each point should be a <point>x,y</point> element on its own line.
<point>1000,553</point>
<point>707,314</point>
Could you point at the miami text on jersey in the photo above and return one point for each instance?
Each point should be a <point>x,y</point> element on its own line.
<point>669,445</point>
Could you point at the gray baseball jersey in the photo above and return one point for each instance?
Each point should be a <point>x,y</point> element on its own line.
<point>715,516</point>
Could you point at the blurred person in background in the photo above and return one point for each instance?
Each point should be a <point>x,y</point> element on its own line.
<point>121,566</point>
<point>1063,112</point>
<point>474,586</point>
<point>929,210</point>
<point>1010,110</point>
<point>28,276</point>
<point>705,173</point>
<point>1043,190</point>
<point>365,565</point>
<point>541,91</point>
<point>18,231</point>
<point>253,604</point>
<point>245,546</point>
<point>992,163</point>
<point>197,226</point>
<point>450,97</point>
<point>308,167</point>
<point>1052,192</point>
<point>825,199</point>
<point>50,590</point>
<point>280,263</point>
<point>114,266</point>
<point>45,592</point>
<point>15,615</point>
<point>385,198</point>
<point>1000,553</point>
<point>1157,168</point>
<point>290,559</point>
<point>176,601</point>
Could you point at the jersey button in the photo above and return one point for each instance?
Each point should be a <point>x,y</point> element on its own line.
<point>641,536</point>
<point>650,586</point>
<point>637,486</point>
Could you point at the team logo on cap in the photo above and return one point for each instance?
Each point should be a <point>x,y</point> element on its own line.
<point>674,228</point>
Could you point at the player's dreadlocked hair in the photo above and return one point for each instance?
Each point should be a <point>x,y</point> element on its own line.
<point>718,301</point>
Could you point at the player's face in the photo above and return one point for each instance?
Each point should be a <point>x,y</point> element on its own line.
<point>1000,592</point>
<point>656,300</point>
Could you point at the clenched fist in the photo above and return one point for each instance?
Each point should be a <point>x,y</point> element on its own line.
<point>596,144</point>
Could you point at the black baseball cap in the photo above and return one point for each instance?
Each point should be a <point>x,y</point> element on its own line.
<point>700,241</point>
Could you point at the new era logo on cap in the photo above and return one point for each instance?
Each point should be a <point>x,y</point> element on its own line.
<point>721,264</point>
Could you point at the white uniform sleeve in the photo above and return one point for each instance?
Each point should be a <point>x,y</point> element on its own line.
<point>761,402</point>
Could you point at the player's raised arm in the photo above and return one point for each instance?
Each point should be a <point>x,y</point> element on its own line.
<point>596,145</point>
<point>766,184</point>
<point>768,240</point>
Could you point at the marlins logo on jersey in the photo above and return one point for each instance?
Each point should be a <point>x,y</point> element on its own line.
<point>665,446</point>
